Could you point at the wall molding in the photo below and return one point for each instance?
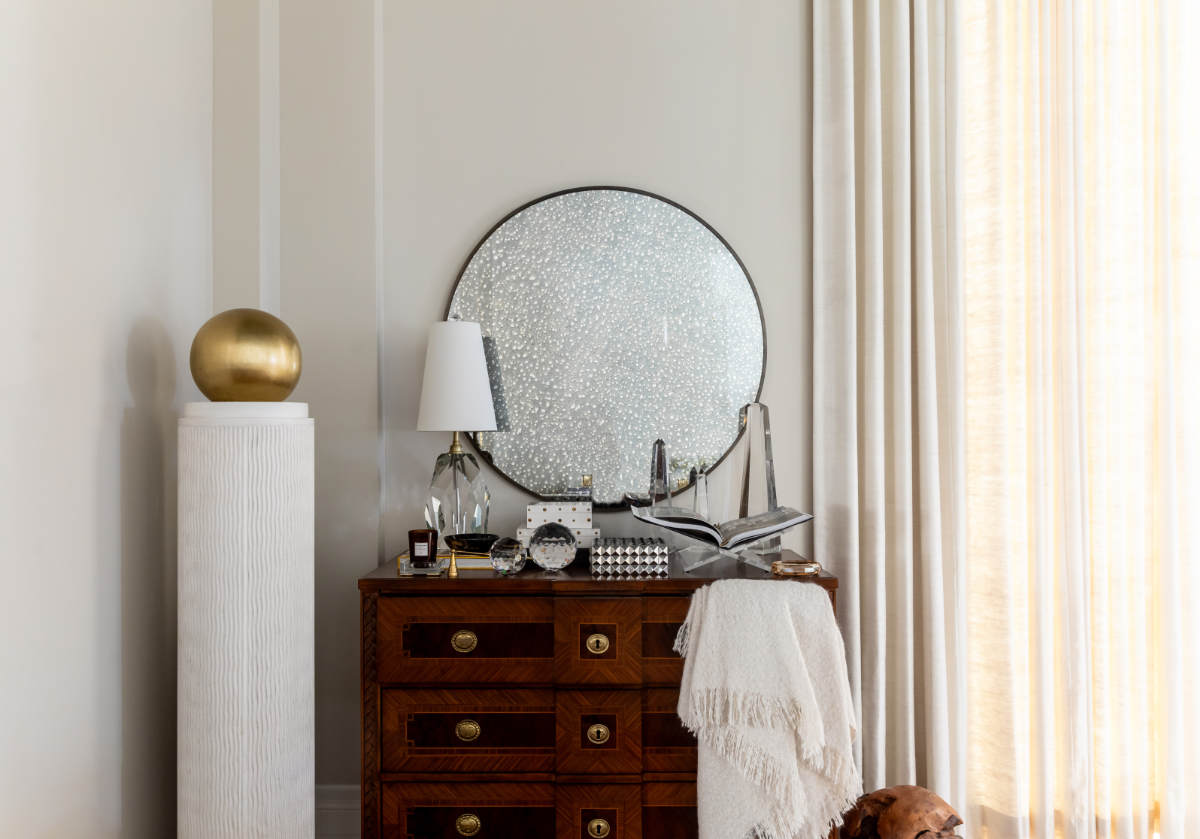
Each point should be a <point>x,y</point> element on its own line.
<point>338,811</point>
<point>380,345</point>
<point>268,156</point>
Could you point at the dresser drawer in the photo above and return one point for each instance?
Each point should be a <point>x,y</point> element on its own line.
<point>466,640</point>
<point>669,811</point>
<point>483,810</point>
<point>661,619</point>
<point>600,811</point>
<point>666,745</point>
<point>598,641</point>
<point>464,730</point>
<point>599,732</point>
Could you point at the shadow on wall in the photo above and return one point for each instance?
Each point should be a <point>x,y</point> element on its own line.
<point>148,585</point>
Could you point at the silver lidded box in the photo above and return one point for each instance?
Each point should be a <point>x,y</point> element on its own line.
<point>630,557</point>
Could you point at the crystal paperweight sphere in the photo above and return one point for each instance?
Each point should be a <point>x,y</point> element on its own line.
<point>552,546</point>
<point>508,556</point>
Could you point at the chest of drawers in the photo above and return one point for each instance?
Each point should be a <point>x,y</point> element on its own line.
<point>540,706</point>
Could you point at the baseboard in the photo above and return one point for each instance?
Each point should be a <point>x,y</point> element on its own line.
<point>338,811</point>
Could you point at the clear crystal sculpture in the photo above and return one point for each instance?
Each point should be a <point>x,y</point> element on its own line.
<point>699,481</point>
<point>758,473</point>
<point>458,496</point>
<point>508,557</point>
<point>660,475</point>
<point>552,546</point>
<point>753,467</point>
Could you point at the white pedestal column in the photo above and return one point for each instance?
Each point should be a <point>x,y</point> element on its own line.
<point>246,683</point>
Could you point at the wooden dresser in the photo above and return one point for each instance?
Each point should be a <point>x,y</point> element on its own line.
<point>540,706</point>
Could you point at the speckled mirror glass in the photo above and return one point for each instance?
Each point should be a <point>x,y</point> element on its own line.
<point>611,317</point>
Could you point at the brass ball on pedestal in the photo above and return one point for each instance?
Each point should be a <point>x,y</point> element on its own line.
<point>245,355</point>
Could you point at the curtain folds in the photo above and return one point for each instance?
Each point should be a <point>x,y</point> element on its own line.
<point>1080,275</point>
<point>1006,346</point>
<point>888,438</point>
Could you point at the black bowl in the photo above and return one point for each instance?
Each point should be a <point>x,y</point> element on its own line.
<point>471,543</point>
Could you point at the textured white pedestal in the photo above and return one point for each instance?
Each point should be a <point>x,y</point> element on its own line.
<point>246,683</point>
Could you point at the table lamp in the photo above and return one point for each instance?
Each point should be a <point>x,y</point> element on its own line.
<point>456,396</point>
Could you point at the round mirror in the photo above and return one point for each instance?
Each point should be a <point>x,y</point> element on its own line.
<point>611,317</point>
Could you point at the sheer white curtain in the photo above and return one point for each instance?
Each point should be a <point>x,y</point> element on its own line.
<point>888,437</point>
<point>1081,275</point>
<point>1006,275</point>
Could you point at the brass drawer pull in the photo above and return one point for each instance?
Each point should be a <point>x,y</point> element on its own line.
<point>467,730</point>
<point>468,824</point>
<point>464,641</point>
<point>597,644</point>
<point>598,734</point>
<point>598,828</point>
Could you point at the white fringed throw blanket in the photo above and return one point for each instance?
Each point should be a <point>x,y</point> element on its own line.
<point>766,693</point>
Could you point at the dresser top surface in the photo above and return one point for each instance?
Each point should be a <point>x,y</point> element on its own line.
<point>575,579</point>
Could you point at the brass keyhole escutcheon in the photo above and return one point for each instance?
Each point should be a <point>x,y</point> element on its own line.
<point>467,730</point>
<point>598,734</point>
<point>597,644</point>
<point>598,828</point>
<point>463,641</point>
<point>468,824</point>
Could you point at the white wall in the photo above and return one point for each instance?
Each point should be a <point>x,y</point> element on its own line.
<point>104,276</point>
<point>699,102</point>
<point>327,238</point>
<point>236,110</point>
<point>408,129</point>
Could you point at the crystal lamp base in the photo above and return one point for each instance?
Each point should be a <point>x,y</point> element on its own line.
<point>458,496</point>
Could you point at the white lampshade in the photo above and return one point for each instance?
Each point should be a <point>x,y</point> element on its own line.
<point>456,394</point>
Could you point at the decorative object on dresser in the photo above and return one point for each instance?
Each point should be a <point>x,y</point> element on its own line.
<point>795,568</point>
<point>575,515</point>
<point>630,557</point>
<point>723,539</point>
<point>245,659</point>
<point>552,546</point>
<point>473,549</point>
<point>245,355</point>
<point>752,464</point>
<point>422,555</point>
<point>507,556</point>
<point>536,706</point>
<point>456,396</point>
<point>612,316</point>
<point>755,472</point>
<point>660,475</point>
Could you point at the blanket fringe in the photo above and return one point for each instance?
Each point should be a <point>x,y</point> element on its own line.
<point>715,716</point>
<point>789,811</point>
<point>684,636</point>
<point>719,707</point>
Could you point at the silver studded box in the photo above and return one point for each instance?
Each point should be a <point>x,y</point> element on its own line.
<point>630,557</point>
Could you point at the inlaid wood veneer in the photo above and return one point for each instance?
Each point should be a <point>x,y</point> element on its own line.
<point>540,706</point>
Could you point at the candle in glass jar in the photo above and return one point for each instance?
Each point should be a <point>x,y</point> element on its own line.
<point>422,548</point>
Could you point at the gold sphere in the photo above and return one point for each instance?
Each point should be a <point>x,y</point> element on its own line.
<point>245,355</point>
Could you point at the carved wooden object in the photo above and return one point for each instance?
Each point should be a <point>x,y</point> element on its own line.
<point>900,812</point>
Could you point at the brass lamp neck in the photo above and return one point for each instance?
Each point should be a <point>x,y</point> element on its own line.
<point>455,444</point>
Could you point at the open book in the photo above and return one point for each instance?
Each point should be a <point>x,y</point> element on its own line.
<point>726,535</point>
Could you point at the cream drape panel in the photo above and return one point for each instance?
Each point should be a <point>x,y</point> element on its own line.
<point>888,437</point>
<point>1081,270</point>
<point>1006,349</point>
